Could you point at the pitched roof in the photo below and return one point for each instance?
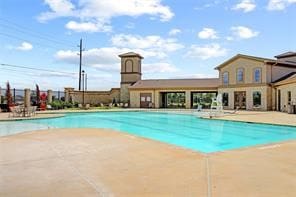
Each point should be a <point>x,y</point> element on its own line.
<point>176,83</point>
<point>287,54</point>
<point>288,76</point>
<point>261,59</point>
<point>282,62</point>
<point>131,54</point>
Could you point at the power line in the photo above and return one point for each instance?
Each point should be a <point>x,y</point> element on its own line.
<point>22,39</point>
<point>26,30</point>
<point>32,68</point>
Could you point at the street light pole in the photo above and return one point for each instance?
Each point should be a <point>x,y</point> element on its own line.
<point>80,63</point>
<point>83,87</point>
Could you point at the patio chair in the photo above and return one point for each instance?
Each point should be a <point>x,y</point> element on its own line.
<point>102,105</point>
<point>13,112</point>
<point>126,105</point>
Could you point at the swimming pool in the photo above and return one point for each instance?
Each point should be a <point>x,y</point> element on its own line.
<point>182,130</point>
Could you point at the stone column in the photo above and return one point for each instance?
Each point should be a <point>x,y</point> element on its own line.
<point>67,94</point>
<point>188,99</point>
<point>49,96</point>
<point>27,98</point>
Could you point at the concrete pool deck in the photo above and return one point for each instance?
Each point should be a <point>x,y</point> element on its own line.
<point>6,117</point>
<point>100,162</point>
<point>268,117</point>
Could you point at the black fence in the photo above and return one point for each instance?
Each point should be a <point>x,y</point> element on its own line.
<point>19,94</point>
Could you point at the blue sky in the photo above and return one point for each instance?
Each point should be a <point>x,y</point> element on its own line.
<point>178,39</point>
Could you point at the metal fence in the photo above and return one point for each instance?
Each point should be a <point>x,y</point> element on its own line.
<point>19,94</point>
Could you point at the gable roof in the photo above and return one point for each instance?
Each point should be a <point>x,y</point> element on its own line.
<point>290,78</point>
<point>131,54</point>
<point>176,83</point>
<point>242,56</point>
<point>285,77</point>
<point>287,54</point>
<point>283,62</point>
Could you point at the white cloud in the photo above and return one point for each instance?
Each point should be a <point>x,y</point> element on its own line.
<point>59,8</point>
<point>88,26</point>
<point>174,32</point>
<point>25,46</point>
<point>102,11</point>
<point>151,45</point>
<point>279,4</point>
<point>245,6</point>
<point>207,33</point>
<point>242,32</point>
<point>207,51</point>
<point>106,59</point>
<point>160,67</point>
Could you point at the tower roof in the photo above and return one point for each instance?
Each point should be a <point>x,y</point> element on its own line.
<point>131,54</point>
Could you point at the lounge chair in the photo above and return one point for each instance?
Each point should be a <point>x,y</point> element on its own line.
<point>14,112</point>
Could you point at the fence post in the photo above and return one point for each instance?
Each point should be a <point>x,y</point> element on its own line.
<point>27,98</point>
<point>49,96</point>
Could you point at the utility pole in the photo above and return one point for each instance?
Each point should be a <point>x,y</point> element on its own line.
<point>80,63</point>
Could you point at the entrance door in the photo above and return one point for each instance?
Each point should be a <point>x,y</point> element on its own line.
<point>240,100</point>
<point>146,100</point>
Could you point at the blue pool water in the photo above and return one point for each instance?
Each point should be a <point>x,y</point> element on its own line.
<point>182,130</point>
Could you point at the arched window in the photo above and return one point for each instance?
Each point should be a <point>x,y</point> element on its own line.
<point>257,75</point>
<point>225,77</point>
<point>128,66</point>
<point>240,75</point>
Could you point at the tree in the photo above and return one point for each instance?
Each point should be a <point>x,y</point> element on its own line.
<point>37,95</point>
<point>8,96</point>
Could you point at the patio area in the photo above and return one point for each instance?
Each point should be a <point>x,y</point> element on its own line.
<point>99,162</point>
<point>268,117</point>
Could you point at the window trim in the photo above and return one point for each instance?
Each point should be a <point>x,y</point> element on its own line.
<point>225,93</point>
<point>254,76</point>
<point>227,78</point>
<point>260,98</point>
<point>243,69</point>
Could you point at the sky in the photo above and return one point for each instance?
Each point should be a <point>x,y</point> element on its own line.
<point>178,39</point>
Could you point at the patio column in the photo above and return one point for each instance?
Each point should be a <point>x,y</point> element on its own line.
<point>188,99</point>
<point>0,96</point>
<point>49,96</point>
<point>27,98</point>
<point>67,94</point>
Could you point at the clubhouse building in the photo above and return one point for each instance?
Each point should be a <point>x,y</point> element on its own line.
<point>245,82</point>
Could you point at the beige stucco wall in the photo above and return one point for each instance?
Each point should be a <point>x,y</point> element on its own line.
<point>248,65</point>
<point>265,96</point>
<point>156,98</point>
<point>284,94</point>
<point>95,97</point>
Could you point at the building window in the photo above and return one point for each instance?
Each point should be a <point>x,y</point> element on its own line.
<point>289,97</point>
<point>225,78</point>
<point>257,75</point>
<point>240,75</point>
<point>225,99</point>
<point>256,99</point>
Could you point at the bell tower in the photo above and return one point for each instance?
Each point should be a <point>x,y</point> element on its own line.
<point>131,72</point>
